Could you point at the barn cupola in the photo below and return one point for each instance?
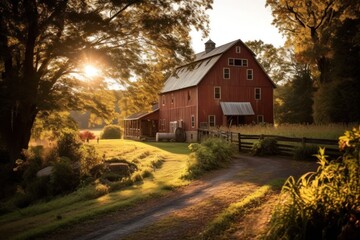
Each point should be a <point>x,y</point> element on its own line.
<point>209,46</point>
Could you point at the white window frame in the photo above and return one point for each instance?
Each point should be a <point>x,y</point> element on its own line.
<point>228,73</point>
<point>260,118</point>
<point>163,100</point>
<point>217,87</point>
<point>238,49</point>
<point>256,95</point>
<point>250,72</point>
<point>244,63</point>
<point>214,122</point>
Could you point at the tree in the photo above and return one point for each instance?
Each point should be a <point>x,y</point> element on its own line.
<point>275,61</point>
<point>339,100</point>
<point>294,99</point>
<point>310,26</point>
<point>44,44</point>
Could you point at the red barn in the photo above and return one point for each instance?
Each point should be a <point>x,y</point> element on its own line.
<point>223,86</point>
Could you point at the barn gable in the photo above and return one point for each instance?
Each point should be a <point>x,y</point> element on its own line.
<point>191,74</point>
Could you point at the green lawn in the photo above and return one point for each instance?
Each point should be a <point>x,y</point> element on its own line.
<point>45,217</point>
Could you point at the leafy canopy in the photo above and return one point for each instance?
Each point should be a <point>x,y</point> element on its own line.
<point>46,44</point>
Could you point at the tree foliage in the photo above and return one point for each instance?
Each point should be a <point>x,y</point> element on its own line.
<point>339,100</point>
<point>310,27</point>
<point>275,61</point>
<point>45,44</point>
<point>294,100</point>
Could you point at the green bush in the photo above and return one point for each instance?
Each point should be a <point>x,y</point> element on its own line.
<point>111,132</point>
<point>146,173</point>
<point>306,152</point>
<point>89,159</point>
<point>211,154</point>
<point>69,144</point>
<point>266,146</point>
<point>324,204</point>
<point>63,178</point>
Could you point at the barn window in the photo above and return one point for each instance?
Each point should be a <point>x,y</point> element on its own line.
<point>217,92</point>
<point>163,100</point>
<point>226,73</point>
<point>238,62</point>
<point>172,98</point>
<point>260,118</point>
<point>212,120</point>
<point>249,74</point>
<point>244,62</point>
<point>192,121</point>
<point>257,93</point>
<point>238,49</point>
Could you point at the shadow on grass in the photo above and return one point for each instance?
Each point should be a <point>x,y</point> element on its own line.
<point>171,147</point>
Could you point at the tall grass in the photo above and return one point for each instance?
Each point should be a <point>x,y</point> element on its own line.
<point>330,131</point>
<point>324,204</point>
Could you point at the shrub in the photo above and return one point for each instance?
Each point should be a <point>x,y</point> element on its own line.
<point>266,146</point>
<point>22,200</point>
<point>69,144</point>
<point>38,188</point>
<point>89,159</point>
<point>63,178</point>
<point>86,135</point>
<point>211,154</point>
<point>146,173</point>
<point>157,163</point>
<point>324,204</point>
<point>306,152</point>
<point>111,132</point>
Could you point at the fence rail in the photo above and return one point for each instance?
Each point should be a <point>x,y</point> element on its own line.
<point>286,145</point>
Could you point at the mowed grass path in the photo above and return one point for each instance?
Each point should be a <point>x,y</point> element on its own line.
<point>45,217</point>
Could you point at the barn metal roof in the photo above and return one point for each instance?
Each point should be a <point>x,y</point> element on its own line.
<point>216,51</point>
<point>138,115</point>
<point>189,75</point>
<point>237,108</point>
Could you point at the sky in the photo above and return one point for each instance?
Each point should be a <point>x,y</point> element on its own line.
<point>239,19</point>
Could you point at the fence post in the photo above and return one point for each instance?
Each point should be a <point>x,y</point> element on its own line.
<point>303,142</point>
<point>239,139</point>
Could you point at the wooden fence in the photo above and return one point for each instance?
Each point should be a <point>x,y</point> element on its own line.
<point>286,145</point>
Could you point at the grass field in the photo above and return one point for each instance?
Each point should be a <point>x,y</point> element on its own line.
<point>45,217</point>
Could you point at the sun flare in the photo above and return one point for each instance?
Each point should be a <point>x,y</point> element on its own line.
<point>91,71</point>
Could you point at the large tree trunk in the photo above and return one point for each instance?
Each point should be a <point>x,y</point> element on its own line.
<point>323,64</point>
<point>15,128</point>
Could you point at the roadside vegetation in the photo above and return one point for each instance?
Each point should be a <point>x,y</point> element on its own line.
<point>80,185</point>
<point>324,204</point>
<point>212,153</point>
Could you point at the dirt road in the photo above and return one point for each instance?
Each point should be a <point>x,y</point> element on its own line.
<point>183,213</point>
